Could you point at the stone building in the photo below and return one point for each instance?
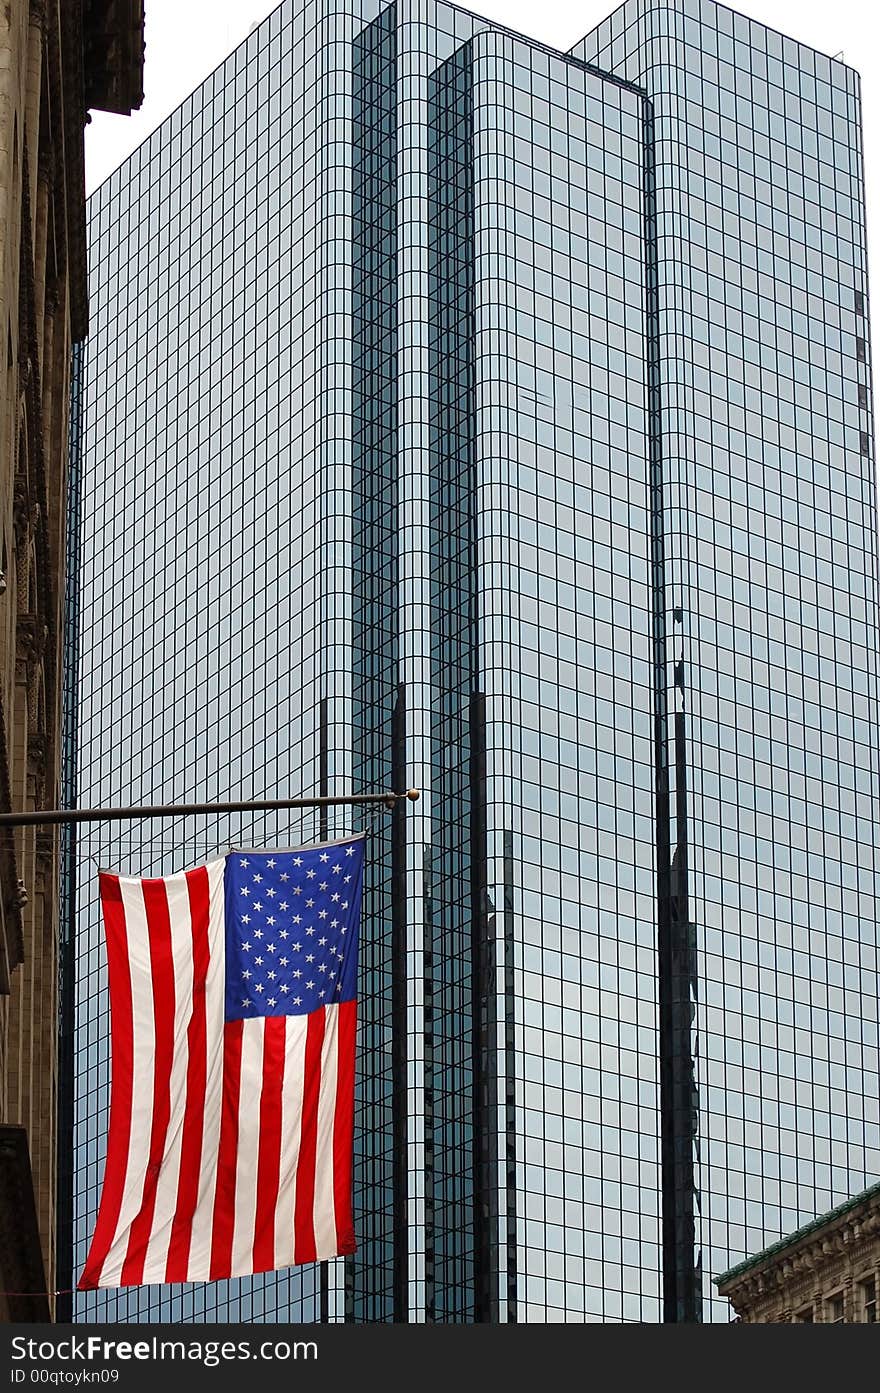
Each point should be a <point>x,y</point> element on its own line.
<point>826,1273</point>
<point>58,58</point>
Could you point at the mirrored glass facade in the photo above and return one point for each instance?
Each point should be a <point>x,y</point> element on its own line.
<point>464,415</point>
<point>770,609</point>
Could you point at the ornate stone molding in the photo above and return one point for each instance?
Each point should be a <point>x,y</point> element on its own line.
<point>39,14</point>
<point>20,507</point>
<point>53,296</point>
<point>45,165</point>
<point>38,747</point>
<point>45,864</point>
<point>30,635</point>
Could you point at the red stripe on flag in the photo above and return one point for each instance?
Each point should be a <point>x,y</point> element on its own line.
<point>343,1126</point>
<point>269,1160</point>
<point>122,1047</point>
<point>176,1266</point>
<point>227,1154</point>
<point>162,974</point>
<point>304,1249</point>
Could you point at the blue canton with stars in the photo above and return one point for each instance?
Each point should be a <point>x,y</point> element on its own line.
<point>292,928</point>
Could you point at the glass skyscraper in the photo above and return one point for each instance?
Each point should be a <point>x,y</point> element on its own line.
<point>461,414</point>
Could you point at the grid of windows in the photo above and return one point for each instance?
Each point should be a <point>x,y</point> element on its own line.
<point>434,377</point>
<point>379,1175</point>
<point>564,652</point>
<point>459,1190</point>
<point>770,531</point>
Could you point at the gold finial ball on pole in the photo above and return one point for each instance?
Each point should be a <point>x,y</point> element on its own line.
<point>392,799</point>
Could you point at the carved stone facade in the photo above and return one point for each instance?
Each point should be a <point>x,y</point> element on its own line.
<point>56,58</point>
<point>826,1273</point>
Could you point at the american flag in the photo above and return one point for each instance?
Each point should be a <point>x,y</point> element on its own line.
<point>232,1009</point>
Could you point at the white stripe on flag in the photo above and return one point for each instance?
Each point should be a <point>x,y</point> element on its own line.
<point>177,893</point>
<point>324,1208</point>
<point>215,1011</point>
<point>144,1038</point>
<point>291,1125</point>
<point>250,1095</point>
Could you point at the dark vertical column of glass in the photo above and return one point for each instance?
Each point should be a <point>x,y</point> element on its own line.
<point>485,1064</point>
<point>676,950</point>
<point>510,1082</point>
<point>371,1284</point>
<point>67,916</point>
<point>398,1008</point>
<point>460,1183</point>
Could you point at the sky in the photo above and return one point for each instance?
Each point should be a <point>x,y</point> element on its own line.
<point>187,39</point>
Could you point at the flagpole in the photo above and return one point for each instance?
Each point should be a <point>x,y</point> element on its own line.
<point>47,816</point>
